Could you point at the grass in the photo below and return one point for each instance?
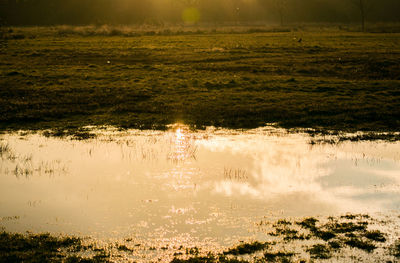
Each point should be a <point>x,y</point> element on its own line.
<point>324,240</point>
<point>395,249</point>
<point>279,256</point>
<point>4,149</point>
<point>246,248</point>
<point>331,80</point>
<point>79,133</point>
<point>47,248</point>
<point>320,251</point>
<point>375,235</point>
<point>6,152</point>
<point>361,244</point>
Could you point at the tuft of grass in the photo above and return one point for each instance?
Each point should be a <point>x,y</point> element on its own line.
<point>361,244</point>
<point>324,235</point>
<point>235,174</point>
<point>4,149</point>
<point>395,249</point>
<point>208,259</point>
<point>320,251</point>
<point>375,235</point>
<point>335,244</point>
<point>99,258</point>
<point>289,234</point>
<point>77,133</point>
<point>354,216</point>
<point>124,248</point>
<point>278,256</point>
<point>348,227</point>
<point>308,223</point>
<point>247,248</point>
<point>283,222</point>
<point>192,251</point>
<point>43,248</point>
<point>6,152</point>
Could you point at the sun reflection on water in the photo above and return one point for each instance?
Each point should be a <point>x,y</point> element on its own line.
<point>183,144</point>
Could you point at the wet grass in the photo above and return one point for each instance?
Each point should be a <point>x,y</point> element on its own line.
<point>395,249</point>
<point>79,133</point>
<point>335,137</point>
<point>361,244</point>
<point>324,241</point>
<point>45,248</point>
<point>331,80</point>
<point>320,251</point>
<point>350,231</point>
<point>4,150</point>
<point>246,248</point>
<point>23,166</point>
<point>6,153</point>
<point>289,234</point>
<point>353,232</point>
<point>208,259</point>
<point>375,235</point>
<point>279,256</point>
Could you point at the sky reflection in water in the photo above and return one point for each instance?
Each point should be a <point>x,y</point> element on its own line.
<point>209,185</point>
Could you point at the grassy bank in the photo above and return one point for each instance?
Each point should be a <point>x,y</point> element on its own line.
<point>330,80</point>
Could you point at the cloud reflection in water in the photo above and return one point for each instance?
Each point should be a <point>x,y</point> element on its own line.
<point>205,184</point>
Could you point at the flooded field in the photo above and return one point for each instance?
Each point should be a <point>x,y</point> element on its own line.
<point>158,192</point>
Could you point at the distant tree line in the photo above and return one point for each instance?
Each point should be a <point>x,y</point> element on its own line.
<point>81,12</point>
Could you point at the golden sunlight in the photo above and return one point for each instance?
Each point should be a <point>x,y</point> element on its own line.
<point>183,147</point>
<point>191,15</point>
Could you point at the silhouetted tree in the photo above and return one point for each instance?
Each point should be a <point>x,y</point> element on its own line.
<point>281,7</point>
<point>363,7</point>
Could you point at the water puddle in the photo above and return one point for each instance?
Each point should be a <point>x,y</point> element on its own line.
<point>205,187</point>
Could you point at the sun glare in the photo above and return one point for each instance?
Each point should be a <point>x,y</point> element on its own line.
<point>183,146</point>
<point>191,15</point>
<point>179,135</point>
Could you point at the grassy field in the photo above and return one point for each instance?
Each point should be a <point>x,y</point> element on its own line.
<point>331,80</point>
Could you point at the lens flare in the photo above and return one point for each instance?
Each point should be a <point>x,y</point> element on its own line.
<point>191,15</point>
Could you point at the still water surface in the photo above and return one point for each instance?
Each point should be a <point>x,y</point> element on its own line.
<point>205,186</point>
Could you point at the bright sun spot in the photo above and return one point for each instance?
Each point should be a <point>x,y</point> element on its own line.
<point>183,147</point>
<point>191,15</point>
<point>179,135</point>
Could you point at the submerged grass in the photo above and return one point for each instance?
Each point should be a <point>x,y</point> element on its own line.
<point>44,248</point>
<point>331,80</point>
<point>320,251</point>
<point>279,256</point>
<point>395,249</point>
<point>246,248</point>
<point>72,133</point>
<point>324,241</point>
<point>361,244</point>
<point>348,234</point>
